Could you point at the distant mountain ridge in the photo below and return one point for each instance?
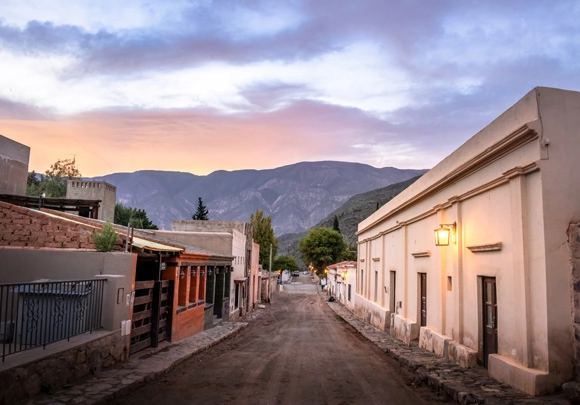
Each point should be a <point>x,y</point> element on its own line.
<point>295,196</point>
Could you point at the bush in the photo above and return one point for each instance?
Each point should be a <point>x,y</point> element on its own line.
<point>105,240</point>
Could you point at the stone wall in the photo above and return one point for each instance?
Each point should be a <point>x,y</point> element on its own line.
<point>58,370</point>
<point>574,241</point>
<point>572,389</point>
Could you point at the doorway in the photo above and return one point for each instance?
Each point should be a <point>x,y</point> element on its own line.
<point>392,289</point>
<point>489,318</point>
<point>423,297</point>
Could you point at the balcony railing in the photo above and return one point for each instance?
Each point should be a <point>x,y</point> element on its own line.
<point>39,313</point>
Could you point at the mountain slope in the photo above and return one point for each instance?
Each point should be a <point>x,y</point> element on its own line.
<point>349,215</point>
<point>295,196</point>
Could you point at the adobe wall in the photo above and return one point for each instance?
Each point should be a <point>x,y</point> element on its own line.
<point>218,242</point>
<point>95,190</point>
<point>14,158</point>
<point>24,227</point>
<point>188,225</point>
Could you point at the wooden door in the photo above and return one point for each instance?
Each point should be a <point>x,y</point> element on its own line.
<point>151,321</point>
<point>489,318</point>
<point>423,297</point>
<point>392,290</point>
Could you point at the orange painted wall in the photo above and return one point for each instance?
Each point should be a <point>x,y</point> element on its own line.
<point>187,323</point>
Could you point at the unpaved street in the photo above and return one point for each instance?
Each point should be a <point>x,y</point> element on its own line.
<point>296,351</point>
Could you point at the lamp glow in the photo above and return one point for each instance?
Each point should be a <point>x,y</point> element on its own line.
<point>443,234</point>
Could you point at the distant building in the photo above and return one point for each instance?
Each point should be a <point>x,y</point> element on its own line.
<point>94,190</point>
<point>14,159</point>
<point>496,288</point>
<point>341,282</point>
<point>227,238</point>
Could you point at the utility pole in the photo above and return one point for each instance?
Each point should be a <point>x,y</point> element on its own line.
<point>270,276</point>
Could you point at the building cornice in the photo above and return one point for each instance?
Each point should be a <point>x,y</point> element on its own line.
<point>523,135</point>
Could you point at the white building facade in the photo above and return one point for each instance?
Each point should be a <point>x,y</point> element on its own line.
<point>341,282</point>
<point>499,293</point>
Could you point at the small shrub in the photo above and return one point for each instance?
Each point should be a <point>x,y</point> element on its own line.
<point>106,240</point>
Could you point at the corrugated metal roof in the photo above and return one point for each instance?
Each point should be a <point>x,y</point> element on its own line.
<point>154,246</point>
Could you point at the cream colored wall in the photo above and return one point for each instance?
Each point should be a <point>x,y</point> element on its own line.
<point>255,274</point>
<point>502,199</point>
<point>239,253</point>
<point>561,197</point>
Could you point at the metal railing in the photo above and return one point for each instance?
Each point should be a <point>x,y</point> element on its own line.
<point>39,313</point>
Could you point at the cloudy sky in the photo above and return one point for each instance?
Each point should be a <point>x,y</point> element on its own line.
<point>202,85</point>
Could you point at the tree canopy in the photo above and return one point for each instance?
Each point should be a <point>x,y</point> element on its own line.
<point>202,211</point>
<point>137,218</point>
<point>285,262</point>
<point>322,247</point>
<point>53,182</point>
<point>264,236</point>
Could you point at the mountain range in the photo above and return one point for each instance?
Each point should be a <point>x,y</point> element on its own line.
<point>296,196</point>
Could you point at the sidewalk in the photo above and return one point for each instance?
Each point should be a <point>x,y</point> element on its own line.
<point>463,385</point>
<point>139,369</point>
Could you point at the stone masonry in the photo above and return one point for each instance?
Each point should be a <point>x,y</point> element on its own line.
<point>62,369</point>
<point>572,388</point>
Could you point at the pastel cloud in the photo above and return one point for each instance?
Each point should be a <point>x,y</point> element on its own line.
<point>268,83</point>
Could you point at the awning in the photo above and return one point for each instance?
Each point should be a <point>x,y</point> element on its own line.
<point>240,280</point>
<point>154,246</point>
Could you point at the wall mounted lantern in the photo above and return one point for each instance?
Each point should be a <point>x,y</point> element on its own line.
<point>444,233</point>
<point>192,272</point>
<point>202,272</point>
<point>209,271</point>
<point>182,274</point>
<point>343,275</point>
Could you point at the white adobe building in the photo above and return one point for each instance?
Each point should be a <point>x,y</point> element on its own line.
<point>499,293</point>
<point>341,282</point>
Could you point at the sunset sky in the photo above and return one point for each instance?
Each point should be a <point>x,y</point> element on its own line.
<point>197,86</point>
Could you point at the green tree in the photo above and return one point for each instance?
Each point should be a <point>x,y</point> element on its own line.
<point>137,218</point>
<point>106,240</point>
<point>53,182</point>
<point>285,262</point>
<point>264,236</point>
<point>201,213</point>
<point>335,225</point>
<point>322,247</point>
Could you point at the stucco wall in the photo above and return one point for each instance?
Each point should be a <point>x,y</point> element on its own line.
<point>512,192</point>
<point>25,265</point>
<point>217,242</point>
<point>185,225</point>
<point>74,360</point>
<point>14,158</point>
<point>95,190</point>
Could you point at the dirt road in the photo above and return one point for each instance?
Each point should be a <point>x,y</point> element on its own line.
<point>296,351</point>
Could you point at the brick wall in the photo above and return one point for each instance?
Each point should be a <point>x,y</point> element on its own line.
<point>24,227</point>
